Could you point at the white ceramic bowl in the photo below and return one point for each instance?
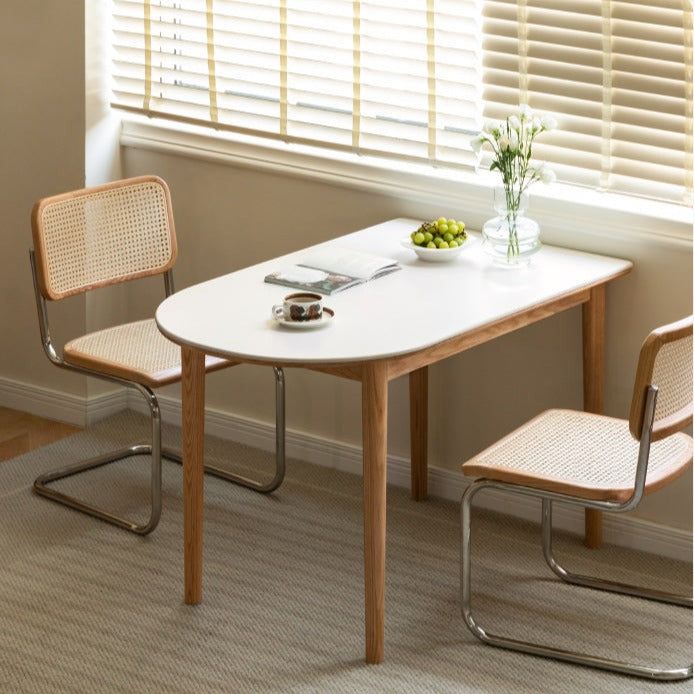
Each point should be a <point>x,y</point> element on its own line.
<point>437,255</point>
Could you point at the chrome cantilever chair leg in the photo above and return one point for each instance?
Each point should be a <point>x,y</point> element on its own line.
<point>278,476</point>
<point>157,452</point>
<point>593,581</point>
<point>42,489</point>
<point>577,658</point>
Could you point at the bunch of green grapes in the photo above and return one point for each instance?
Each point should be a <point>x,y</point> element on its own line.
<point>441,233</point>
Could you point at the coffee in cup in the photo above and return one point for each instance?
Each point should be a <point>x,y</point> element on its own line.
<point>300,307</point>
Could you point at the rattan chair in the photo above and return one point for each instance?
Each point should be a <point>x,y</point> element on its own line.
<point>596,462</point>
<point>103,236</point>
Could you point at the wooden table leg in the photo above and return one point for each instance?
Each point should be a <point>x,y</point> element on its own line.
<point>419,430</point>
<point>374,407</point>
<point>193,434</point>
<point>593,384</point>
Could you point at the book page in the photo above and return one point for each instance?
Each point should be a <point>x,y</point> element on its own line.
<point>311,280</point>
<point>343,261</point>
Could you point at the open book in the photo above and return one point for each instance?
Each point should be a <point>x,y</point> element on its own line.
<point>329,270</point>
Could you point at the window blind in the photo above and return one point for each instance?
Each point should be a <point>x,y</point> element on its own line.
<point>617,75</point>
<point>411,78</point>
<point>400,78</point>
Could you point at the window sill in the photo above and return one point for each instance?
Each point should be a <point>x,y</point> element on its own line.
<point>566,213</point>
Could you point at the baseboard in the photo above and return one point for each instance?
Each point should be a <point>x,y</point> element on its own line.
<point>104,405</point>
<point>626,531</point>
<point>64,407</point>
<point>44,402</point>
<point>622,530</point>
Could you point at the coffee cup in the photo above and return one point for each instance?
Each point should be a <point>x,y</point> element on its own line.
<point>299,307</point>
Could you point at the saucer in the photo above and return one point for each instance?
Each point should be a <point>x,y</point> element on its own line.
<point>327,318</point>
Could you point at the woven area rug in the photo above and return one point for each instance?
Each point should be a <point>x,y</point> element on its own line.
<point>85,607</point>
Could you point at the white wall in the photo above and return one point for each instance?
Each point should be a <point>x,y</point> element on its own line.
<point>229,217</point>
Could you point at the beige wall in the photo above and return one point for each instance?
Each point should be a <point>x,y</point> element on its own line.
<point>102,159</point>
<point>230,217</point>
<point>42,131</point>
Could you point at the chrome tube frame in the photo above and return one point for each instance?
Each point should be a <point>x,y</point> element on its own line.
<point>599,583</point>
<point>578,658</point>
<point>154,449</point>
<point>41,483</point>
<point>278,477</point>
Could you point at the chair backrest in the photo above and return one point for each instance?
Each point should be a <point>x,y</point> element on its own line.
<point>666,362</point>
<point>103,235</point>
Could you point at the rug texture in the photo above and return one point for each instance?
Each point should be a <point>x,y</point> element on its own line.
<point>85,607</point>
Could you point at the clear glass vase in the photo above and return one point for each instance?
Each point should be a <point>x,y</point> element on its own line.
<point>511,238</point>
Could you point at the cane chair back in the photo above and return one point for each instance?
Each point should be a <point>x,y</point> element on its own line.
<point>665,362</point>
<point>103,235</point>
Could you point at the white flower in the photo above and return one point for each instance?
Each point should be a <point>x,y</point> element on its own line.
<point>547,175</point>
<point>513,140</point>
<point>537,123</point>
<point>490,126</point>
<point>536,168</point>
<point>476,144</point>
<point>514,122</point>
<point>504,143</point>
<point>542,172</point>
<point>549,123</point>
<point>525,111</point>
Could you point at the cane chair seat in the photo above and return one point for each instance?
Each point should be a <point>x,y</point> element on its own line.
<point>134,351</point>
<point>580,454</point>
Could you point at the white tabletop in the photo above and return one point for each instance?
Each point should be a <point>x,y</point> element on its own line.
<point>416,307</point>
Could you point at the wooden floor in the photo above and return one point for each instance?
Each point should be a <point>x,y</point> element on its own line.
<point>21,432</point>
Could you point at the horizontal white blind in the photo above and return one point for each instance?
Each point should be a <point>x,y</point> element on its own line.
<point>617,75</point>
<point>400,78</point>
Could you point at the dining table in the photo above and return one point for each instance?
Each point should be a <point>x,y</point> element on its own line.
<point>382,329</point>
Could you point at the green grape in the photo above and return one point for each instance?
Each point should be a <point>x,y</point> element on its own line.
<point>453,228</point>
<point>453,243</point>
<point>413,234</point>
<point>461,224</point>
<point>419,238</point>
<point>438,241</point>
<point>448,237</point>
<point>431,244</point>
<point>443,228</point>
<point>441,220</point>
<point>428,236</point>
<point>451,221</point>
<point>443,244</point>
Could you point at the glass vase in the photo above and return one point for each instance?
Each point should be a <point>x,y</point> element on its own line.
<point>511,238</point>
